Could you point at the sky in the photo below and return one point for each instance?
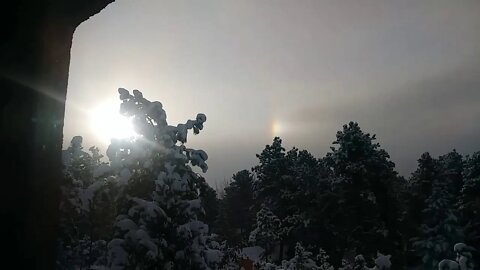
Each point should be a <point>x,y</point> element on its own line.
<point>407,71</point>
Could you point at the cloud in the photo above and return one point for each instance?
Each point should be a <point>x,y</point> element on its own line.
<point>436,114</point>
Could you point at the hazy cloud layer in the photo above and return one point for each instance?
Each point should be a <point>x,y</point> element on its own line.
<point>408,71</point>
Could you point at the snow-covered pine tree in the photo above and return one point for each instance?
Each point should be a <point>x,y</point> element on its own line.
<point>72,217</point>
<point>85,208</point>
<point>323,260</point>
<point>367,213</point>
<point>360,263</point>
<point>309,192</point>
<point>382,262</point>
<point>440,228</point>
<point>160,226</point>
<point>469,203</point>
<point>302,260</point>
<point>346,265</point>
<point>287,183</point>
<point>266,232</point>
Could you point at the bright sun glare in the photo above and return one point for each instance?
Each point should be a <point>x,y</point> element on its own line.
<point>107,122</point>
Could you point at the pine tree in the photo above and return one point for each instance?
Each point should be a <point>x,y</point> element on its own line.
<point>302,260</point>
<point>323,260</point>
<point>272,172</point>
<point>287,183</point>
<point>78,164</point>
<point>420,189</point>
<point>319,212</point>
<point>72,223</point>
<point>422,179</point>
<point>237,215</point>
<point>440,229</point>
<point>267,230</point>
<point>451,165</point>
<point>275,187</point>
<point>210,205</point>
<point>85,207</point>
<point>469,202</point>
<point>368,209</point>
<point>160,225</point>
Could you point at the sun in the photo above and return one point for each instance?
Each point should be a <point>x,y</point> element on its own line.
<point>106,122</point>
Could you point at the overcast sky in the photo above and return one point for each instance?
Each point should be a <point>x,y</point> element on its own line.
<point>408,71</point>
